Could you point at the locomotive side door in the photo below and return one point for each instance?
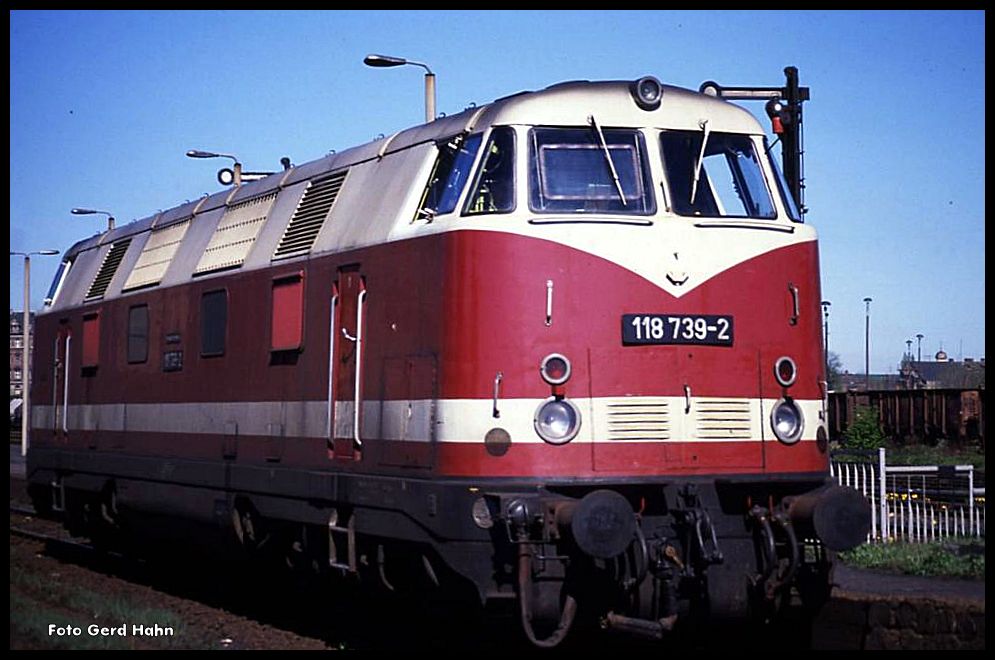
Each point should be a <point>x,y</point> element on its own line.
<point>60,384</point>
<point>345,364</point>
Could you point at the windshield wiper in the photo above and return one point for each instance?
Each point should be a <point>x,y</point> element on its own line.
<point>701,158</point>
<point>608,157</point>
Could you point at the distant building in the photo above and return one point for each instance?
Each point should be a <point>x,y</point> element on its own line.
<point>942,373</point>
<point>859,382</point>
<point>17,352</point>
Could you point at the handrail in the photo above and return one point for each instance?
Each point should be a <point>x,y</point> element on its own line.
<point>359,366</point>
<point>498,377</point>
<point>65,389</point>
<point>549,303</point>
<point>331,366</point>
<point>794,304</point>
<point>55,387</point>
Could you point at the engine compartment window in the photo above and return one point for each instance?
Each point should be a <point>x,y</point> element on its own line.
<point>730,181</point>
<point>571,171</point>
<point>138,334</point>
<point>494,188</point>
<point>287,323</point>
<point>213,322</point>
<point>449,176</point>
<point>91,343</point>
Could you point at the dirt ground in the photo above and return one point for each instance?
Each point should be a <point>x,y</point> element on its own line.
<point>50,586</point>
<point>212,603</point>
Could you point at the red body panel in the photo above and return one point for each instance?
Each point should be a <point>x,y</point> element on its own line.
<point>444,313</point>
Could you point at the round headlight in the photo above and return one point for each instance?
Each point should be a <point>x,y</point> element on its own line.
<point>647,91</point>
<point>786,420</point>
<point>785,371</point>
<point>557,421</point>
<point>226,176</point>
<point>555,369</point>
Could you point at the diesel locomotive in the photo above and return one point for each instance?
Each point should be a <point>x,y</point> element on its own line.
<point>562,349</point>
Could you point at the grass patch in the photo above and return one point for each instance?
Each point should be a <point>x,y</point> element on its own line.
<point>926,455</point>
<point>36,601</point>
<point>961,558</point>
<point>898,454</point>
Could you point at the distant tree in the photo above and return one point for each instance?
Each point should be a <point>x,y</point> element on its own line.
<point>864,433</point>
<point>835,366</point>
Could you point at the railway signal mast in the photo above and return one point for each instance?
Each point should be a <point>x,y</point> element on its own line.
<point>784,107</point>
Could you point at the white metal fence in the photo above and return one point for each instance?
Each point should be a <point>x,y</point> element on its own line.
<point>916,502</point>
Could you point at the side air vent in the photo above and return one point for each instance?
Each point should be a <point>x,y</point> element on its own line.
<point>313,209</point>
<point>235,235</point>
<point>723,420</point>
<point>157,255</point>
<point>107,269</point>
<point>645,418</point>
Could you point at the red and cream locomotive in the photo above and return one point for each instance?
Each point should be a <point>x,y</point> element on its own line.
<point>563,348</point>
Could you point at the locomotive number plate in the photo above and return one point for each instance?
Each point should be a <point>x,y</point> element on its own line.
<point>641,329</point>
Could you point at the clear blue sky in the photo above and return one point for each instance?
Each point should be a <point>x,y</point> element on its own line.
<point>103,106</point>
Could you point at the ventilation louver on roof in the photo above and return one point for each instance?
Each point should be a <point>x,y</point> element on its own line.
<point>157,255</point>
<point>235,234</point>
<point>107,269</point>
<point>313,209</point>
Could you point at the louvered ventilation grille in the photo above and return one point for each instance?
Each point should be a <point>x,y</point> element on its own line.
<point>235,235</point>
<point>723,420</point>
<point>642,419</point>
<point>107,269</point>
<point>157,255</point>
<point>310,215</point>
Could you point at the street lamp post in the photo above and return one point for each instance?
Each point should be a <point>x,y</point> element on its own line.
<point>825,334</point>
<point>867,344</point>
<point>110,218</point>
<point>919,347</point>
<point>381,61</point>
<point>236,171</point>
<point>236,174</point>
<point>26,361</point>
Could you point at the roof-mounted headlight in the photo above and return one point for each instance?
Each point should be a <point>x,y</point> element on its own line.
<point>647,92</point>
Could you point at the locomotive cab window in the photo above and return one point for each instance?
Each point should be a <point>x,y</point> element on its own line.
<point>58,281</point>
<point>494,188</point>
<point>213,322</point>
<point>449,176</point>
<point>721,179</point>
<point>138,334</point>
<point>589,170</point>
<point>782,186</point>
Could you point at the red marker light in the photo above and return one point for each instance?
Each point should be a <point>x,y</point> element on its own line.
<point>555,369</point>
